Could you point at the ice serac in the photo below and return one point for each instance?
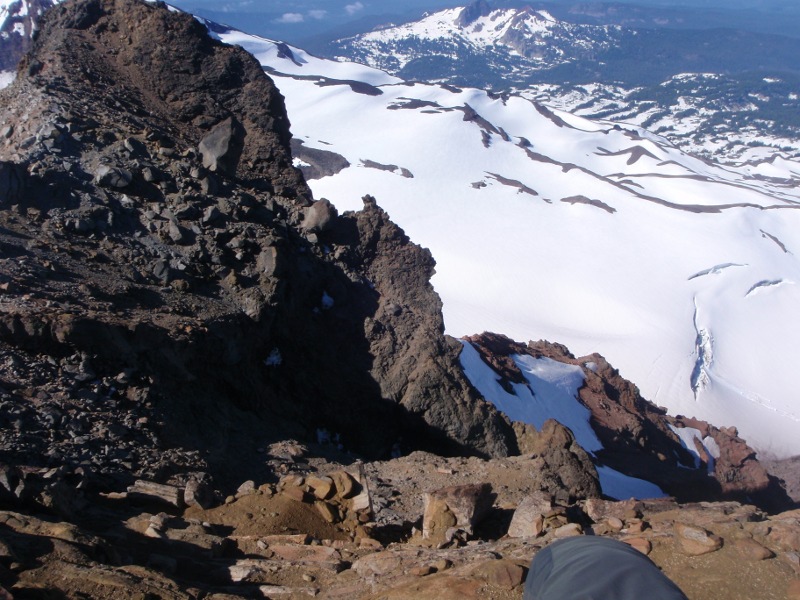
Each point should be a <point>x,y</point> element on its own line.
<point>187,306</point>
<point>636,437</point>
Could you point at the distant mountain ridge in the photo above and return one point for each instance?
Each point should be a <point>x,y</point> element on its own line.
<point>466,43</point>
<point>723,94</point>
<point>522,46</point>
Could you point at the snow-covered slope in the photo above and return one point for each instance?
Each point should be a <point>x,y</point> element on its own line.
<point>724,117</point>
<point>599,236</point>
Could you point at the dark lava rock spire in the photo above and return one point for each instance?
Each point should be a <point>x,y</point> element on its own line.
<point>172,299</point>
<point>18,23</point>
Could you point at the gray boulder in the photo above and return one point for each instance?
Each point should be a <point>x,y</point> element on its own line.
<point>319,216</point>
<point>222,147</point>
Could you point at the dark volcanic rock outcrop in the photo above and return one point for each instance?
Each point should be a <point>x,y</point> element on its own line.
<point>17,28</point>
<point>638,437</point>
<point>162,308</point>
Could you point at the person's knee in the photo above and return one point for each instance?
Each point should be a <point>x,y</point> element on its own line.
<point>596,567</point>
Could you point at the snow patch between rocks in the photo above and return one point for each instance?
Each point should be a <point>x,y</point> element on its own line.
<point>6,78</point>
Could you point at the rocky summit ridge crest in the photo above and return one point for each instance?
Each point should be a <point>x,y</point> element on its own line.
<point>156,231</point>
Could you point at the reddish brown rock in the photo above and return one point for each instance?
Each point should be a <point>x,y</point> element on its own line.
<point>379,563</point>
<point>752,550</point>
<point>784,534</point>
<point>344,483</point>
<point>528,519</point>
<point>568,530</point>
<point>614,523</point>
<point>636,435</point>
<point>460,507</point>
<point>322,487</point>
<point>308,554</point>
<point>695,541</point>
<point>295,493</point>
<point>504,574</point>
<point>641,544</point>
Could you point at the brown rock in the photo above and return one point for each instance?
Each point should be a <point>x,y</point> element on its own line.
<point>615,524</point>
<point>461,506</point>
<point>528,519</point>
<point>694,541</point>
<point>245,489</point>
<point>437,588</point>
<point>344,483</point>
<point>282,591</point>
<point>597,509</point>
<point>641,544</point>
<point>362,501</point>
<point>379,563</point>
<point>752,550</point>
<point>149,490</point>
<point>568,530</point>
<point>306,553</point>
<point>793,590</point>
<point>785,535</point>
<point>295,493</point>
<point>437,520</point>
<point>443,564</point>
<point>504,574</point>
<point>328,512</point>
<point>198,492</point>
<point>636,526</point>
<point>319,215</point>
<point>222,147</point>
<point>321,487</point>
<point>369,543</point>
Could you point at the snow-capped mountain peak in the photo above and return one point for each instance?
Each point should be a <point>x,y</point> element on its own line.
<point>529,34</point>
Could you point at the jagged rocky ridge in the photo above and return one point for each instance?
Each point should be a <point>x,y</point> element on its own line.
<point>163,258</point>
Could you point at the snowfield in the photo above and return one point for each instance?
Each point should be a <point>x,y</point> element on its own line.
<point>597,235</point>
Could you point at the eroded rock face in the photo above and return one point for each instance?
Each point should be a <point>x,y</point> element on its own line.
<point>563,463</point>
<point>17,29</point>
<point>637,436</point>
<point>185,308</point>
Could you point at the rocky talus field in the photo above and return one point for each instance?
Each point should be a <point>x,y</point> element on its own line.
<point>213,385</point>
